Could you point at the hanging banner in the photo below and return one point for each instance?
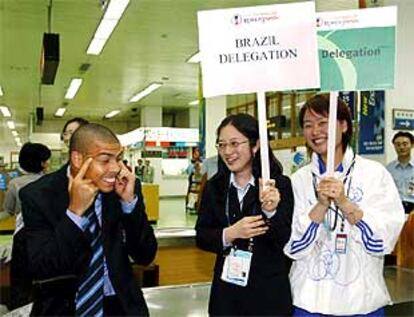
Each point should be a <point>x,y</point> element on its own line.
<point>371,122</point>
<point>261,48</point>
<point>349,98</point>
<point>357,49</point>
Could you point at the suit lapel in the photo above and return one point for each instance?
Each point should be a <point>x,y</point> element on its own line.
<point>60,194</point>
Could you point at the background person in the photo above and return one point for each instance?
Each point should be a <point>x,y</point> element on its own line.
<point>241,223</point>
<point>139,169</point>
<point>70,127</point>
<point>402,169</point>
<point>148,172</point>
<point>33,161</point>
<point>343,225</point>
<point>83,224</point>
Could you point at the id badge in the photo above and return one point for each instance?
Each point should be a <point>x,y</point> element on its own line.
<point>340,243</point>
<point>236,267</point>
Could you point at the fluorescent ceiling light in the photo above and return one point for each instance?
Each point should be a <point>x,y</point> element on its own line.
<point>96,46</point>
<point>17,139</point>
<point>145,92</point>
<point>1,91</point>
<point>115,9</point>
<point>105,29</point>
<point>73,88</point>
<point>106,26</point>
<point>5,111</point>
<point>14,132</point>
<point>193,103</point>
<point>111,114</point>
<point>19,144</point>
<point>11,125</point>
<point>196,58</point>
<point>60,112</point>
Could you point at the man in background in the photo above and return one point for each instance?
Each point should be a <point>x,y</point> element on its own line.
<point>402,169</point>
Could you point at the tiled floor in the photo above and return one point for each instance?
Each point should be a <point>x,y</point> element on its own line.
<point>173,214</point>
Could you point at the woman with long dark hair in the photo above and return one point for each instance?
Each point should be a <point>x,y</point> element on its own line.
<point>246,226</point>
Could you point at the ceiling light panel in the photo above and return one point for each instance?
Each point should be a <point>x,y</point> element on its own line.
<point>5,111</point>
<point>73,88</point>
<point>11,124</point>
<point>106,26</point>
<point>145,92</point>
<point>60,112</point>
<point>112,114</point>
<point>115,9</point>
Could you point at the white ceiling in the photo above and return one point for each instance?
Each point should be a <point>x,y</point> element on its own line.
<point>151,43</point>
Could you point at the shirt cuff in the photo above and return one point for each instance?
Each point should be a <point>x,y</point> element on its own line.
<point>269,214</point>
<point>128,207</point>
<point>225,244</point>
<point>80,221</point>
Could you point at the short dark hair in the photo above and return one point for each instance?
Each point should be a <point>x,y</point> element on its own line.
<point>79,120</point>
<point>403,134</point>
<point>32,155</point>
<point>320,105</point>
<point>87,133</point>
<point>249,127</point>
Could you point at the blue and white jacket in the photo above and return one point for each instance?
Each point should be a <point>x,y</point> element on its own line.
<point>324,280</point>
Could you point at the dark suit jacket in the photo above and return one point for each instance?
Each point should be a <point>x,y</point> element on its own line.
<point>59,251</point>
<point>268,288</point>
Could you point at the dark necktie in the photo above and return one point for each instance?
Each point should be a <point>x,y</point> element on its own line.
<point>89,298</point>
<point>234,205</point>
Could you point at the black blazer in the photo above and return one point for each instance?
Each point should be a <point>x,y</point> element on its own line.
<point>59,252</point>
<point>269,268</point>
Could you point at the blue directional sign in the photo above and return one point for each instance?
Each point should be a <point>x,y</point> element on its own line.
<point>403,119</point>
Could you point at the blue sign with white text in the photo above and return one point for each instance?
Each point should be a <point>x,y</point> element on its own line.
<point>371,123</point>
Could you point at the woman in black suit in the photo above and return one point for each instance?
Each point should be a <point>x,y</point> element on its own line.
<point>246,226</point>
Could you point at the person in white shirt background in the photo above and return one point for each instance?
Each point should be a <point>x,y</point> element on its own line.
<point>342,225</point>
<point>402,169</point>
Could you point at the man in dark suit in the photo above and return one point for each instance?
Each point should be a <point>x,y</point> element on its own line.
<point>82,222</point>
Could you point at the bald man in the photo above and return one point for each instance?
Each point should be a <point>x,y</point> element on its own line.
<point>83,223</point>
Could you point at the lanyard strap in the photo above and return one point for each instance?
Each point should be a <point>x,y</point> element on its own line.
<point>336,209</point>
<point>251,240</point>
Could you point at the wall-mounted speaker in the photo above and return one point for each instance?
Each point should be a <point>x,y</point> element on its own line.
<point>49,60</point>
<point>39,115</point>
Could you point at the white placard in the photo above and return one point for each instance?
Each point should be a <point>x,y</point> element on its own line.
<point>261,48</point>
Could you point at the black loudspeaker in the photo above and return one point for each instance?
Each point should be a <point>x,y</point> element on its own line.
<point>49,60</point>
<point>39,115</point>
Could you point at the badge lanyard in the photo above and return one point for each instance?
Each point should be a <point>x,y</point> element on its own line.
<point>336,209</point>
<point>251,242</point>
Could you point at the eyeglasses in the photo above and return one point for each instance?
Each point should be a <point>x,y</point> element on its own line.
<point>221,146</point>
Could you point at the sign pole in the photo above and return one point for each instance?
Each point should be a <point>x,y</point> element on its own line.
<point>333,105</point>
<point>264,148</point>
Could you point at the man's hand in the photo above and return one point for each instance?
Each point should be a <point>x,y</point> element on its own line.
<point>82,191</point>
<point>125,184</point>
